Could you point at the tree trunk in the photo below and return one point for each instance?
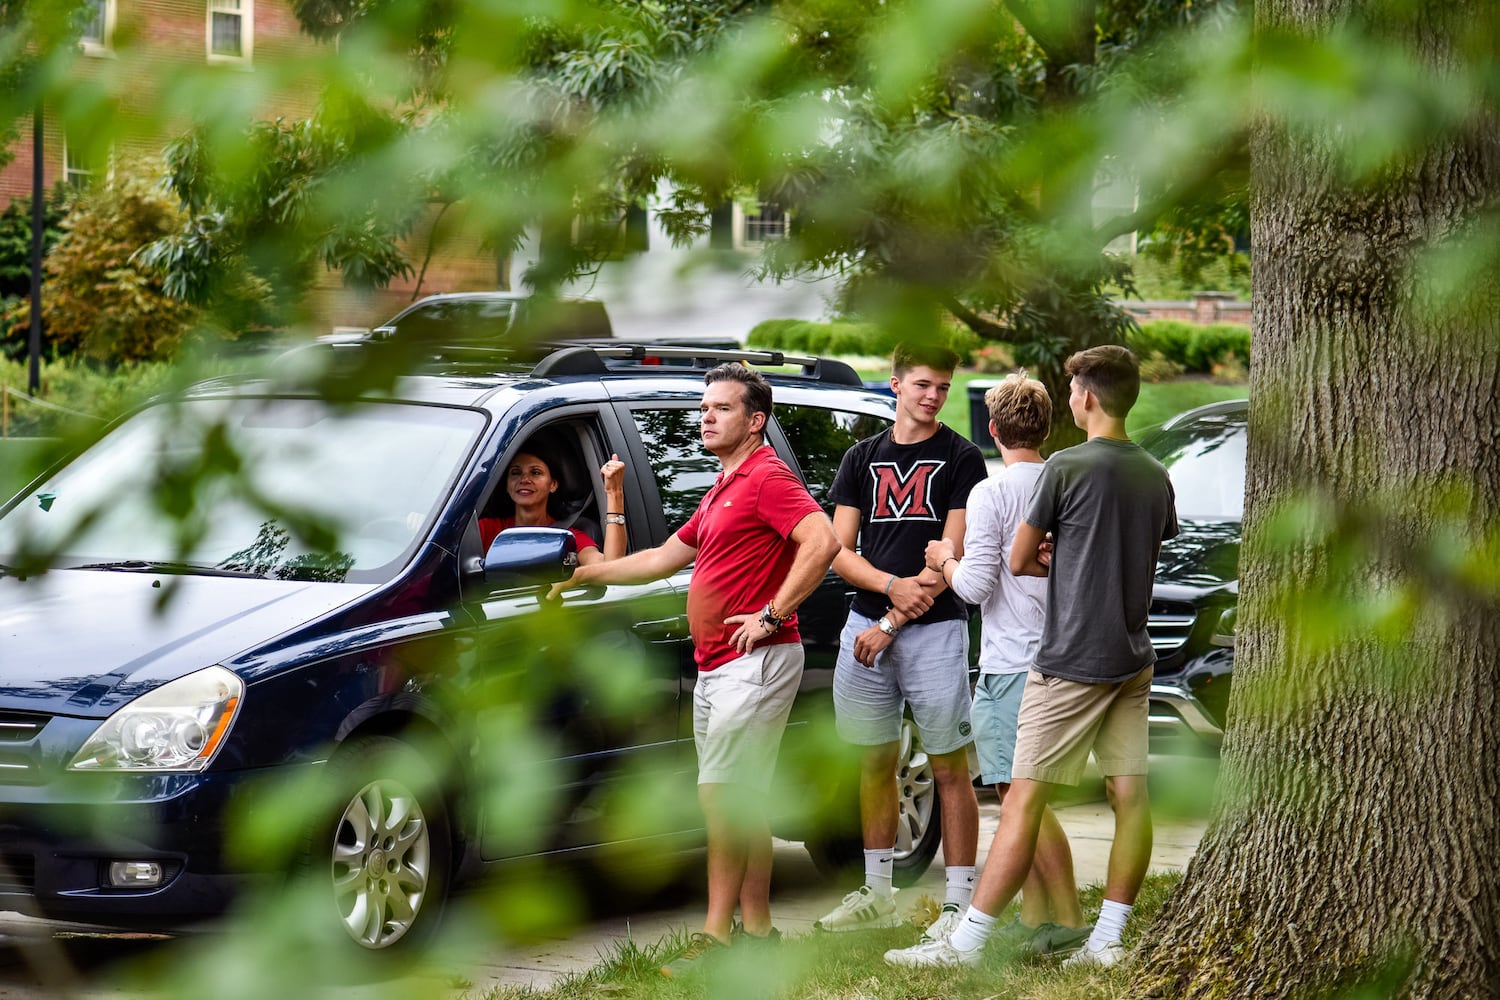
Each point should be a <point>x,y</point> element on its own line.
<point>1352,847</point>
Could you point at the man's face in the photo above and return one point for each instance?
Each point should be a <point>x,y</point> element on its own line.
<point>1078,403</point>
<point>725,422</point>
<point>921,393</point>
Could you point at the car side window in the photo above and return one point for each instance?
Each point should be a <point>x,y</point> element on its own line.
<point>684,470</point>
<point>462,320</point>
<point>818,439</point>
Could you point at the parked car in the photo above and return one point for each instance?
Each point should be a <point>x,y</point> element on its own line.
<point>163,669</point>
<point>480,317</point>
<point>1194,603</point>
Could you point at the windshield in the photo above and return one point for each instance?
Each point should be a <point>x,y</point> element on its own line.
<point>275,487</point>
<point>1206,460</point>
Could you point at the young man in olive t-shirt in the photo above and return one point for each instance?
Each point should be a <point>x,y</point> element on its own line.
<point>1109,506</point>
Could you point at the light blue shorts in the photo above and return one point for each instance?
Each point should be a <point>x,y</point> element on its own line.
<point>926,667</point>
<point>997,707</point>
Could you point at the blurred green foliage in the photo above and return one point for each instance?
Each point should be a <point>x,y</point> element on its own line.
<point>935,156</point>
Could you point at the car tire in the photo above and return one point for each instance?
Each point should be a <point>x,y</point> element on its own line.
<point>919,827</point>
<point>384,858</point>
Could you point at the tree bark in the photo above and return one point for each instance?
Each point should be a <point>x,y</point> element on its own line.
<point>1352,847</point>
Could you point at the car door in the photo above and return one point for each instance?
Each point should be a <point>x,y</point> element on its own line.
<point>675,473</point>
<point>599,671</point>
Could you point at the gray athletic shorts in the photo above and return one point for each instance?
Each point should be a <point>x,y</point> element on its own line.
<point>739,713</point>
<point>926,667</point>
<point>997,708</point>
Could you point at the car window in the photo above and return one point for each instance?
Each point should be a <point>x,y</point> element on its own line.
<point>818,439</point>
<point>288,470</point>
<point>684,470</point>
<point>1206,460</point>
<point>455,320</point>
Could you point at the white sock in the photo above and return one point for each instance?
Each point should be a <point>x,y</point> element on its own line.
<point>878,866</point>
<point>1110,926</point>
<point>960,886</point>
<point>972,931</point>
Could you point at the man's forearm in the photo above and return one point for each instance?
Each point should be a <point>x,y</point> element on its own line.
<point>639,567</point>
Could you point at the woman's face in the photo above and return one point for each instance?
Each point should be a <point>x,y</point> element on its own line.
<point>529,482</point>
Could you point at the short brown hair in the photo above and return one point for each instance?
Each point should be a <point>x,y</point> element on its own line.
<point>1021,411</point>
<point>1111,373</point>
<point>757,389</point>
<point>935,356</point>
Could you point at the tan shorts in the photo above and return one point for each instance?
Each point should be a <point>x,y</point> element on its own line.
<point>740,710</point>
<point>1061,721</point>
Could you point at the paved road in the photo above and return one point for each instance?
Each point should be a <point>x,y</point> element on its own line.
<point>41,960</point>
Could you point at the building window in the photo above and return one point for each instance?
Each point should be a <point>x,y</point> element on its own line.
<point>78,170</point>
<point>98,27</point>
<point>231,30</point>
<point>766,221</point>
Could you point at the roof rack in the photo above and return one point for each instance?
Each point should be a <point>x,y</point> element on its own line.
<point>591,360</point>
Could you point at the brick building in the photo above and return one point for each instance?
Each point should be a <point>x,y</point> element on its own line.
<point>130,93</point>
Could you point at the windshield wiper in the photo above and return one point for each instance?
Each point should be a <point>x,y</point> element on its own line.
<point>160,566</point>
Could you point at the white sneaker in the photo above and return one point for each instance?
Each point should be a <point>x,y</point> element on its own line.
<point>935,953</point>
<point>1086,958</point>
<point>862,910</point>
<point>948,920</point>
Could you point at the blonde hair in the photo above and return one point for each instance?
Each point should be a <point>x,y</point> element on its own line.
<point>1021,410</point>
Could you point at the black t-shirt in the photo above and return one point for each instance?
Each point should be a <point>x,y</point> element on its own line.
<point>904,493</point>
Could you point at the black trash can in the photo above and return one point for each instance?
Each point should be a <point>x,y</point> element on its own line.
<point>979,415</point>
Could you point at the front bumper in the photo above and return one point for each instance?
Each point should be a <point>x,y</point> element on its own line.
<point>58,840</point>
<point>1179,721</point>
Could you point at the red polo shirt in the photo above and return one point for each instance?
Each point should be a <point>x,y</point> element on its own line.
<point>742,531</point>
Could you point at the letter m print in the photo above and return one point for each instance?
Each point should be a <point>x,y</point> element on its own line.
<point>904,495</point>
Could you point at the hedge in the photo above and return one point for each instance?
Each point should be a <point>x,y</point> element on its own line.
<point>1196,348</point>
<point>844,337</point>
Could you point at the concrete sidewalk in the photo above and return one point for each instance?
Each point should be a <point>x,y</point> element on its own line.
<point>800,896</point>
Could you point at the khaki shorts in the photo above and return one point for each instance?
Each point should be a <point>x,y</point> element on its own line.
<point>1061,721</point>
<point>740,710</point>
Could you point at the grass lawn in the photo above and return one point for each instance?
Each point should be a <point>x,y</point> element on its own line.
<point>850,966</point>
<point>1159,401</point>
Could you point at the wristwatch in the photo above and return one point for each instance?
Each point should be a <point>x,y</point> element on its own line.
<point>885,626</point>
<point>770,619</point>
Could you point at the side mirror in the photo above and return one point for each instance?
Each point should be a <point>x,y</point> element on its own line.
<point>530,557</point>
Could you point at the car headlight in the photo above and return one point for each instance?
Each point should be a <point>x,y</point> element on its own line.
<point>1224,630</point>
<point>177,727</point>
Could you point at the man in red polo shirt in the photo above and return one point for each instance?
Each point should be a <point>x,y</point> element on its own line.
<point>760,545</point>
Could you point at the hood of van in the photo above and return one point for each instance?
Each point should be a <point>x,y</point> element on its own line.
<point>80,642</point>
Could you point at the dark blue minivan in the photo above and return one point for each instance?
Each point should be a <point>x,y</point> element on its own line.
<point>246,585</point>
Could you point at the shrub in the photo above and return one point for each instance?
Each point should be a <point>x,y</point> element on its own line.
<point>1195,348</point>
<point>97,300</point>
<point>1155,368</point>
<point>15,238</point>
<point>995,358</point>
<point>844,337</point>
<point>1211,344</point>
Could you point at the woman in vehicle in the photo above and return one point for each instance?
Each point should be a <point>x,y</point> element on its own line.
<point>530,484</point>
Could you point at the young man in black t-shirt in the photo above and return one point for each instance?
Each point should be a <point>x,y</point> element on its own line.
<point>906,641</point>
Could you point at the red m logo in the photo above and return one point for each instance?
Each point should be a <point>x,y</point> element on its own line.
<point>901,495</point>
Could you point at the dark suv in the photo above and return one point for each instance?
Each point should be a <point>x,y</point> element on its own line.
<point>322,605</point>
<point>1196,597</point>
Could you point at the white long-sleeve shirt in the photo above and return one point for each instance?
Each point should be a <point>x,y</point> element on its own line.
<point>1012,608</point>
